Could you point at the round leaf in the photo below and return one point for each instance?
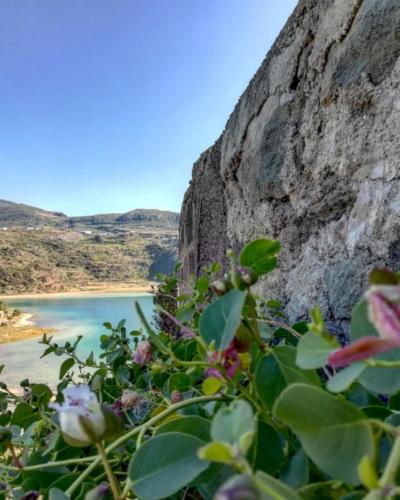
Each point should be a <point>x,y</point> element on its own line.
<point>165,464</point>
<point>334,433</point>
<point>232,422</point>
<point>260,256</point>
<point>221,319</point>
<point>193,425</point>
<point>277,370</point>
<point>312,351</point>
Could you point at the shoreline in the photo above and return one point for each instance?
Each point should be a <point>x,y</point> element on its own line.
<point>25,327</point>
<point>9,334</point>
<point>89,292</point>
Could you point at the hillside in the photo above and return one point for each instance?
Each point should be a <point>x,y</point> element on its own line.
<point>12,214</point>
<point>44,251</point>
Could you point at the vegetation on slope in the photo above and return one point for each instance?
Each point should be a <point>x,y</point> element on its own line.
<point>48,252</point>
<point>232,403</point>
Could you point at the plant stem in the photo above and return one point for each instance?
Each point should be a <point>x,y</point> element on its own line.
<point>390,429</point>
<point>109,472</point>
<point>388,478</point>
<point>381,363</point>
<point>70,461</point>
<point>284,326</point>
<point>128,483</point>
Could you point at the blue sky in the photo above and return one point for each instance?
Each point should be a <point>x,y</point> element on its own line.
<point>106,104</point>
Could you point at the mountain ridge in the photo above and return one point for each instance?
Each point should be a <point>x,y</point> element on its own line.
<point>12,213</point>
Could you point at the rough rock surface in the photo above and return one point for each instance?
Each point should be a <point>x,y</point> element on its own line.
<point>310,156</point>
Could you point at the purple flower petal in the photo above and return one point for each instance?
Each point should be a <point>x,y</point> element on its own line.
<point>361,349</point>
<point>385,313</point>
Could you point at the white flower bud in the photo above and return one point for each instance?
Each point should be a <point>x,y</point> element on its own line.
<point>81,417</point>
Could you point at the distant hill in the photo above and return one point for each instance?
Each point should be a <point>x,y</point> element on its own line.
<point>20,215</point>
<point>12,214</point>
<point>42,251</point>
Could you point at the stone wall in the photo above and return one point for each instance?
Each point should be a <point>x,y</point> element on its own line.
<point>310,156</point>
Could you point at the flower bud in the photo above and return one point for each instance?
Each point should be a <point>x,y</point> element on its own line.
<point>27,394</point>
<point>176,396</point>
<point>101,491</point>
<point>384,311</point>
<point>219,287</point>
<point>248,276</point>
<point>129,399</point>
<point>30,495</point>
<point>116,407</point>
<point>239,488</point>
<point>81,417</point>
<point>142,355</point>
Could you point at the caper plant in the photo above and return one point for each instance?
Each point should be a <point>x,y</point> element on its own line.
<point>222,400</point>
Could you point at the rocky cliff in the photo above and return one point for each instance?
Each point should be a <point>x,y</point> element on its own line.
<point>310,156</point>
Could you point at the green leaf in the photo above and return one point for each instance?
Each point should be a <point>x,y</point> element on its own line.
<point>217,452</point>
<point>193,425</point>
<point>328,490</point>
<point>56,494</point>
<point>334,433</point>
<point>296,472</point>
<point>179,382</point>
<point>260,256</point>
<point>41,393</point>
<point>273,489</point>
<point>165,464</point>
<point>24,415</point>
<point>342,380</point>
<point>267,452</point>
<point>221,319</point>
<point>202,284</point>
<point>382,380</point>
<point>232,422</point>
<point>312,351</point>
<point>65,366</point>
<point>277,370</point>
<point>211,385</point>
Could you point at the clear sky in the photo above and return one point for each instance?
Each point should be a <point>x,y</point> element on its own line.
<point>106,104</point>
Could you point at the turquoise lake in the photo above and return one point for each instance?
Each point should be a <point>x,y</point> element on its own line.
<point>70,316</point>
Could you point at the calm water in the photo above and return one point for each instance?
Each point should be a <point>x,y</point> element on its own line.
<point>70,316</point>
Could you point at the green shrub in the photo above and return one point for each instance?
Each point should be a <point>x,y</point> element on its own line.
<point>228,403</point>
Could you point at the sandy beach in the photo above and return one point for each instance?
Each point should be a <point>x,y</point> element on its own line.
<point>86,292</point>
<point>12,333</point>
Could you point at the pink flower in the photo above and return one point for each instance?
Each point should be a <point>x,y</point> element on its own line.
<point>213,372</point>
<point>142,355</point>
<point>363,348</point>
<point>117,407</point>
<point>229,361</point>
<point>384,313</point>
<point>176,397</point>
